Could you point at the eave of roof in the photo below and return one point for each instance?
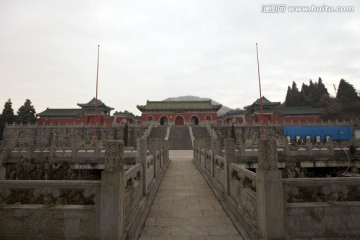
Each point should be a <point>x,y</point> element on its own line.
<point>305,110</point>
<point>61,112</point>
<point>92,104</point>
<point>178,105</point>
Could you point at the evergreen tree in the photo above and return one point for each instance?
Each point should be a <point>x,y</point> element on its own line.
<point>7,116</point>
<point>346,92</point>
<point>293,96</point>
<point>305,94</point>
<point>126,134</point>
<point>26,113</point>
<point>288,97</point>
<point>322,89</point>
<point>8,112</point>
<point>233,134</point>
<point>347,95</point>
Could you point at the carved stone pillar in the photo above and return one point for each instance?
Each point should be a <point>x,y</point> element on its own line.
<point>153,147</point>
<point>269,191</point>
<point>207,146</point>
<point>142,155</point>
<point>112,200</point>
<point>2,158</point>
<point>215,150</point>
<point>74,149</point>
<point>229,158</point>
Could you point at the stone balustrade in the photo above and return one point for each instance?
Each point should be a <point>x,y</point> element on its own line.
<point>113,208</point>
<point>264,205</point>
<point>335,189</point>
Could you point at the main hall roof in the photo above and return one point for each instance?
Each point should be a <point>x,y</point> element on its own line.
<point>179,105</point>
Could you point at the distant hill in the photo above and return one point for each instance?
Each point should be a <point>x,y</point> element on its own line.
<point>223,109</point>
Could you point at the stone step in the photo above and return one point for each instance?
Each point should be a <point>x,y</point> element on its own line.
<point>200,132</point>
<point>179,138</point>
<point>158,132</point>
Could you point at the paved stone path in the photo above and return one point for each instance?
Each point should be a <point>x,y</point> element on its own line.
<point>185,207</point>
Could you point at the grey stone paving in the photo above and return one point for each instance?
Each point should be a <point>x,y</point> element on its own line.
<point>185,207</point>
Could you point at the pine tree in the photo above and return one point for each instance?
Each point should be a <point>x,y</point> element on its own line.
<point>26,113</point>
<point>346,91</point>
<point>347,95</point>
<point>8,112</point>
<point>233,134</point>
<point>322,89</point>
<point>126,134</point>
<point>288,100</point>
<point>293,96</point>
<point>7,116</point>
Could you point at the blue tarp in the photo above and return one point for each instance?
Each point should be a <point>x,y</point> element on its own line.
<point>334,132</point>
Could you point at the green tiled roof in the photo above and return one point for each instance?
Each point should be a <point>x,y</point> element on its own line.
<point>61,112</point>
<point>92,104</point>
<point>306,110</point>
<point>178,105</point>
<point>233,112</point>
<point>265,102</point>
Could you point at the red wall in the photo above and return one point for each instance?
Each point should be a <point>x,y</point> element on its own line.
<point>171,116</point>
<point>120,119</point>
<point>85,120</point>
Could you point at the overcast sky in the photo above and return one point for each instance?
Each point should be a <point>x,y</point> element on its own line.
<point>152,50</point>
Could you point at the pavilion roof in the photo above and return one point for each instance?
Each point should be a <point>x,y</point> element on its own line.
<point>92,104</point>
<point>265,102</point>
<point>233,113</point>
<point>61,112</point>
<point>179,105</point>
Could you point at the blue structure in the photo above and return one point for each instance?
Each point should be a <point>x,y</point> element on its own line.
<point>318,133</point>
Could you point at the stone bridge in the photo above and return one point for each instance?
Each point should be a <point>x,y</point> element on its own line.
<point>204,193</point>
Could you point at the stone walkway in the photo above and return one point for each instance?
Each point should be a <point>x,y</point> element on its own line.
<point>185,207</point>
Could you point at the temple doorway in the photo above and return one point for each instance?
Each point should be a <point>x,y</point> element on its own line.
<point>179,120</point>
<point>163,120</point>
<point>194,120</point>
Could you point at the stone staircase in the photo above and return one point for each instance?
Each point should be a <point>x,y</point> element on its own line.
<point>200,132</point>
<point>179,138</point>
<point>158,132</point>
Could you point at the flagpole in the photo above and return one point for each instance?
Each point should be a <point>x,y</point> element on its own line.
<point>261,110</point>
<point>96,95</point>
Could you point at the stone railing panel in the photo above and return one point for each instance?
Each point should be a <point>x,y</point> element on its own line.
<point>133,188</point>
<point>219,172</point>
<point>49,192</point>
<point>302,190</point>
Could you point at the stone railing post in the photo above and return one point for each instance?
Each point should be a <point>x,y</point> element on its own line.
<point>242,147</point>
<point>309,148</point>
<point>52,147</point>
<point>153,147</point>
<point>330,147</point>
<point>161,151</point>
<point>112,200</point>
<point>166,142</point>
<point>286,147</point>
<point>196,141</point>
<point>96,147</point>
<point>269,190</point>
<point>30,150</point>
<point>142,154</point>
<point>74,149</point>
<point>207,147</point>
<point>229,158</point>
<point>202,151</point>
<point>215,150</point>
<point>2,158</point>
